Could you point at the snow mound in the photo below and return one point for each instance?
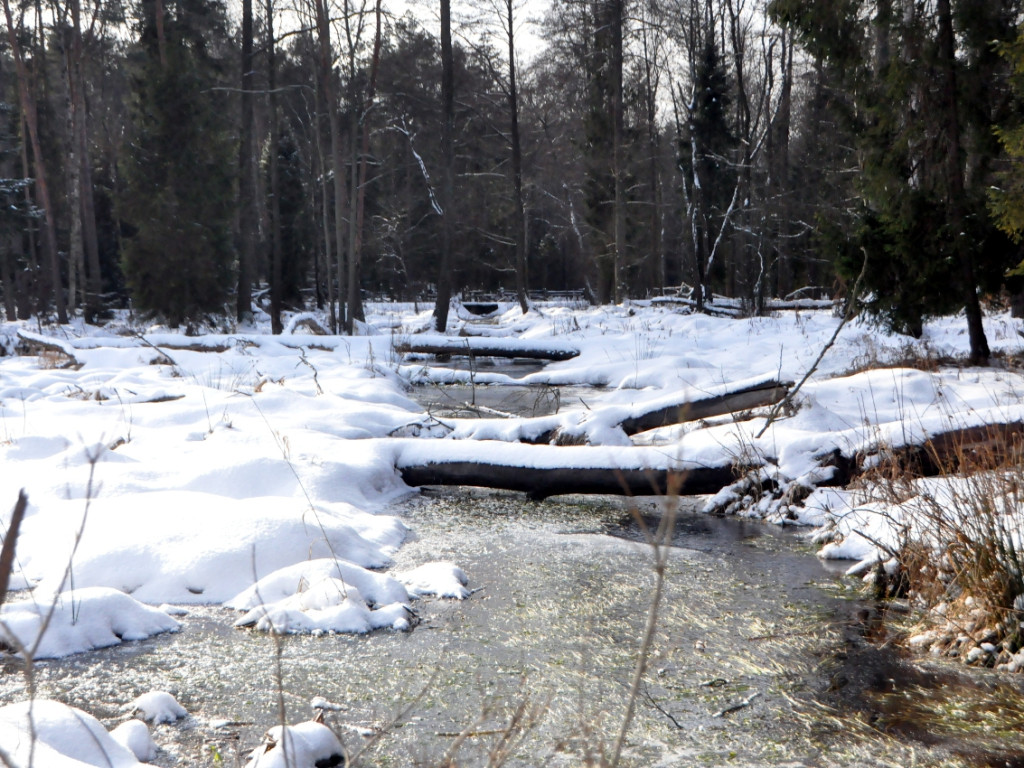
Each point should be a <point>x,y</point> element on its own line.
<point>326,605</point>
<point>306,745</point>
<point>64,738</point>
<point>440,578</point>
<point>158,707</point>
<point>83,620</point>
<point>377,588</point>
<point>134,736</point>
<point>186,547</point>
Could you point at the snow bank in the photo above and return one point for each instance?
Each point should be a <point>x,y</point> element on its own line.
<point>81,620</point>
<point>324,595</point>
<point>65,737</point>
<point>188,547</point>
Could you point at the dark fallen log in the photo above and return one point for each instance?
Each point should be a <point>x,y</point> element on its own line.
<point>541,483</point>
<point>477,346</point>
<point>755,396</point>
<point>480,308</point>
<point>963,449</point>
<point>544,470</point>
<point>575,427</point>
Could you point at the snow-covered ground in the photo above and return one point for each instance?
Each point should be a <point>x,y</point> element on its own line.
<point>250,470</point>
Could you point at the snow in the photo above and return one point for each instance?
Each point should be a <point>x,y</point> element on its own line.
<point>305,745</point>
<point>65,737</point>
<point>79,620</point>
<point>252,471</point>
<point>441,579</point>
<point>134,736</point>
<point>158,707</point>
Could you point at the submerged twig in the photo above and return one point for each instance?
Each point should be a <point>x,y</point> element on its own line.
<point>737,707</point>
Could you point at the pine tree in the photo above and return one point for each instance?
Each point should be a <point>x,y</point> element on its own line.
<point>178,173</point>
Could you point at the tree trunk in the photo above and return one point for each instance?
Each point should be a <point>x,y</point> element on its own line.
<point>955,185</point>
<point>76,256</point>
<point>80,114</point>
<point>618,13</point>
<point>31,117</point>
<point>326,56</point>
<point>161,38</point>
<point>519,215</point>
<point>542,483</point>
<point>444,277</point>
<point>246,173</point>
<point>276,255</point>
<point>355,299</point>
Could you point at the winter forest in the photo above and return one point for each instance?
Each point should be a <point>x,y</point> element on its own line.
<point>511,383</point>
<point>331,152</point>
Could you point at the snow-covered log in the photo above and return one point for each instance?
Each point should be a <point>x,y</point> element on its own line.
<point>60,353</point>
<point>544,470</point>
<point>949,451</point>
<point>593,427</point>
<point>539,483</point>
<point>756,395</point>
<point>533,349</point>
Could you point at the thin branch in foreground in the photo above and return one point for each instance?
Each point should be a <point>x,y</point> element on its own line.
<point>10,542</point>
<point>851,308</point>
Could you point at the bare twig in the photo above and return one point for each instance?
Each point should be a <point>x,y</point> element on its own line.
<point>851,308</point>
<point>738,706</point>
<point>10,542</point>
<point>660,543</point>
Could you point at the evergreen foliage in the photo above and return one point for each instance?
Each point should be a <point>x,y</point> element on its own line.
<point>707,155</point>
<point>178,196</point>
<point>1007,199</point>
<point>296,234</point>
<point>912,224</point>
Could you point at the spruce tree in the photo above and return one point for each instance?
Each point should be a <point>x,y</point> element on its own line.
<point>296,234</point>
<point>178,197</point>
<point>925,92</point>
<point>1007,197</point>
<point>706,154</point>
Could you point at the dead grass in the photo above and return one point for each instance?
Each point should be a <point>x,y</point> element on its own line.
<point>959,555</point>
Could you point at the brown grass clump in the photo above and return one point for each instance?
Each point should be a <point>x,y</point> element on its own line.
<point>960,555</point>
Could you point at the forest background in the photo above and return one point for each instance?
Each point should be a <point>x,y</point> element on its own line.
<point>195,160</point>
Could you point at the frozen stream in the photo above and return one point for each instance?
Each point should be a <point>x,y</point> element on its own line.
<point>555,624</point>
<point>759,659</point>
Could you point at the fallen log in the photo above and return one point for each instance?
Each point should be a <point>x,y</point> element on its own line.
<point>53,353</point>
<point>477,346</point>
<point>962,449</point>
<point>753,396</point>
<point>544,470</point>
<point>540,483</point>
<point>580,427</point>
